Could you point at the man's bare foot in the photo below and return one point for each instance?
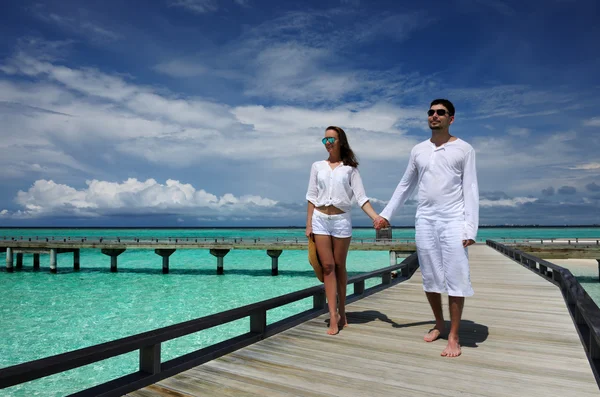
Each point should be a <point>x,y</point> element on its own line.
<point>333,326</point>
<point>432,335</point>
<point>453,348</point>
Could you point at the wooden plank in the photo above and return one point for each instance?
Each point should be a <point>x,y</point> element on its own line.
<point>517,335</point>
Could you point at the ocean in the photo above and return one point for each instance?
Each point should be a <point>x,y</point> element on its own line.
<point>43,314</point>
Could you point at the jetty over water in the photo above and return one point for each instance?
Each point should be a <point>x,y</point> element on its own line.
<point>517,339</point>
<point>219,247</point>
<point>580,248</point>
<point>529,330</point>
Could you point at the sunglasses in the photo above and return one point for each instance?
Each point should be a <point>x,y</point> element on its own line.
<point>330,140</point>
<point>440,112</point>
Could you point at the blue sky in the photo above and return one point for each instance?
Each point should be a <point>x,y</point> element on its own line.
<point>210,112</point>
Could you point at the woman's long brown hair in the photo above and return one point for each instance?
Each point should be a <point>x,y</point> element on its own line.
<point>346,153</point>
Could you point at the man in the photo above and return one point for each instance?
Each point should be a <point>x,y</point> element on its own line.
<point>443,170</point>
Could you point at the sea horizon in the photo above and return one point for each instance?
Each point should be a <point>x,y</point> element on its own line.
<point>515,226</point>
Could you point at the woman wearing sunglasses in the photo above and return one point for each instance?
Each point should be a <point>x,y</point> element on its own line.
<point>332,185</point>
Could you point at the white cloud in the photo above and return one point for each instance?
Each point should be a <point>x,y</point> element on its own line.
<point>197,6</point>
<point>181,68</point>
<point>587,166</point>
<point>86,105</point>
<point>511,101</point>
<point>101,198</point>
<point>509,202</point>
<point>77,23</point>
<point>593,122</point>
<point>522,132</point>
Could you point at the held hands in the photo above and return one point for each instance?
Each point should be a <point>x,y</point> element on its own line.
<point>380,223</point>
<point>466,243</point>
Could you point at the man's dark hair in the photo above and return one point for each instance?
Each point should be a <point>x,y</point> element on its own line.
<point>445,103</point>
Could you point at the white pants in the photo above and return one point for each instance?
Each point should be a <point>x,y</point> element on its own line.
<point>339,225</point>
<point>443,260</point>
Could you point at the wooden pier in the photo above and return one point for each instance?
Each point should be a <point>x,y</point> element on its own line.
<point>564,248</point>
<point>517,339</point>
<point>165,247</point>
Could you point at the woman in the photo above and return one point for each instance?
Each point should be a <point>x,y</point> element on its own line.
<point>332,185</point>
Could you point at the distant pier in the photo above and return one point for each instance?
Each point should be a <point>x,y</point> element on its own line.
<point>219,247</point>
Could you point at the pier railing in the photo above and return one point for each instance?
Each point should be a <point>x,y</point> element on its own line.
<point>584,311</point>
<point>551,240</point>
<point>151,367</point>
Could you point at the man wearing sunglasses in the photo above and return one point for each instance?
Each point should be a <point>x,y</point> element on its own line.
<point>442,169</point>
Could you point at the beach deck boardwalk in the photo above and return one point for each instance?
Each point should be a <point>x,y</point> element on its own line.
<point>517,335</point>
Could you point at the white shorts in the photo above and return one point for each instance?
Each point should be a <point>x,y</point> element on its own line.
<point>339,225</point>
<point>443,260</point>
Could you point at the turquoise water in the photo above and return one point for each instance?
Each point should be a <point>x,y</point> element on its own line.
<point>43,314</point>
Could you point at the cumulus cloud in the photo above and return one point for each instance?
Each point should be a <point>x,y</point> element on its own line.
<point>101,198</point>
<point>593,122</point>
<point>181,68</point>
<point>197,6</point>
<point>77,23</point>
<point>593,187</point>
<point>522,132</point>
<point>507,202</point>
<point>501,199</point>
<point>567,190</point>
<point>493,196</point>
<point>587,166</point>
<point>87,105</point>
<point>548,191</point>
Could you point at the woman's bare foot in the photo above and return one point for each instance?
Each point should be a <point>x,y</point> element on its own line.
<point>343,321</point>
<point>432,335</point>
<point>333,326</point>
<point>453,348</point>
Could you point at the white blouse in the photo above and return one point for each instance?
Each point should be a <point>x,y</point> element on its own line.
<point>335,187</point>
<point>447,184</point>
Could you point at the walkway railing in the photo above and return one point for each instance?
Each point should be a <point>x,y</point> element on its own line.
<point>151,367</point>
<point>584,311</point>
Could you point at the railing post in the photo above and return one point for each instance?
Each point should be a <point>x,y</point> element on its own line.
<point>150,359</point>
<point>359,287</point>
<point>386,278</point>
<point>405,271</point>
<point>319,300</point>
<point>258,322</point>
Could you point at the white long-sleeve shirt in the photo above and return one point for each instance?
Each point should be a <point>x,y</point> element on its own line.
<point>447,184</point>
<point>335,187</point>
